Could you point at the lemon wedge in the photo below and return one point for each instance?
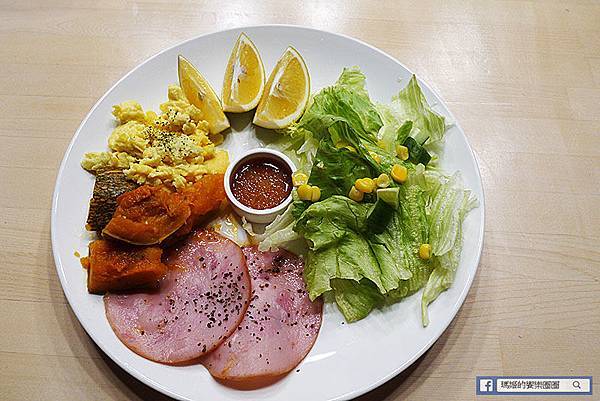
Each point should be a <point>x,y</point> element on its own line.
<point>244,77</point>
<point>286,93</point>
<point>199,93</point>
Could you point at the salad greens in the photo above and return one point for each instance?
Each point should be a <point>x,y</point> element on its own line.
<point>410,105</point>
<point>342,114</point>
<point>336,169</point>
<point>341,247</point>
<point>367,253</point>
<point>449,206</point>
<point>280,232</point>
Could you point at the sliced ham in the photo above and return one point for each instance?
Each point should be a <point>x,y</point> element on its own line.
<point>279,328</point>
<point>199,303</point>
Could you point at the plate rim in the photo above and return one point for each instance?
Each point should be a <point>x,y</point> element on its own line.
<point>345,396</point>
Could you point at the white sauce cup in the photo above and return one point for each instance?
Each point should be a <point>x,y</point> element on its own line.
<point>261,216</point>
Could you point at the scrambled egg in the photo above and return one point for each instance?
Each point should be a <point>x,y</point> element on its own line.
<point>173,148</point>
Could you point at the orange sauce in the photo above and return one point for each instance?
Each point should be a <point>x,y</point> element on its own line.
<point>261,183</point>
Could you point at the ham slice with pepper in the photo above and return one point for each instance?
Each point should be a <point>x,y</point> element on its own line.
<point>199,302</point>
<point>279,328</point>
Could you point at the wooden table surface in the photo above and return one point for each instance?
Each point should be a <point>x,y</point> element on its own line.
<point>523,79</point>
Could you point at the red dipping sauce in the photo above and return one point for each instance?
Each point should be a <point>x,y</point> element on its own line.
<point>261,183</point>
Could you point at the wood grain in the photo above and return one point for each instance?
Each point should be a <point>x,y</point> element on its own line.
<point>523,79</point>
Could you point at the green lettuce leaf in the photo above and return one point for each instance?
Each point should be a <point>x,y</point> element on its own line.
<point>341,247</point>
<point>336,169</point>
<point>341,113</point>
<point>410,105</point>
<point>342,116</point>
<point>448,208</point>
<point>299,145</point>
<point>356,299</point>
<point>450,204</point>
<point>397,246</point>
<point>353,79</point>
<point>393,134</point>
<point>280,233</point>
<point>414,227</point>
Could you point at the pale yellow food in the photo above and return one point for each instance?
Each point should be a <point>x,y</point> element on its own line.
<point>244,79</point>
<point>286,92</point>
<point>129,111</point>
<point>174,148</point>
<point>200,94</point>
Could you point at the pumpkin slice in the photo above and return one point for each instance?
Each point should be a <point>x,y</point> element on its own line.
<point>204,197</point>
<point>114,266</point>
<point>147,215</point>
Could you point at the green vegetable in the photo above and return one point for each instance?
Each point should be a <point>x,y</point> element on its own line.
<point>410,104</point>
<point>428,179</point>
<point>449,207</point>
<point>340,246</point>
<point>439,281</point>
<point>356,299</point>
<point>403,132</point>
<point>414,228</point>
<point>343,247</point>
<point>379,216</point>
<point>299,145</point>
<point>335,170</point>
<point>280,233</point>
<point>366,254</point>
<point>417,154</point>
<point>391,196</point>
<point>353,79</point>
<point>342,114</point>
<point>391,134</point>
<point>343,117</point>
<point>399,243</point>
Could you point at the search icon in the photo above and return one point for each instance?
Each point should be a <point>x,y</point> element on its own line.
<point>576,384</point>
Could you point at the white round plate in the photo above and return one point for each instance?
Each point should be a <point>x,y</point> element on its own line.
<point>347,359</point>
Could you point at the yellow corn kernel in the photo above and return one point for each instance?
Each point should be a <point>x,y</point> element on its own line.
<point>359,184</point>
<point>355,194</point>
<point>425,251</point>
<point>365,185</point>
<point>402,152</point>
<point>299,179</point>
<point>371,183</point>
<point>304,192</point>
<point>375,156</point>
<point>399,173</point>
<point>383,181</point>
<point>315,193</point>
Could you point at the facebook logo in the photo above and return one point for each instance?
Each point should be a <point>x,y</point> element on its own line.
<point>486,385</point>
<point>543,385</point>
